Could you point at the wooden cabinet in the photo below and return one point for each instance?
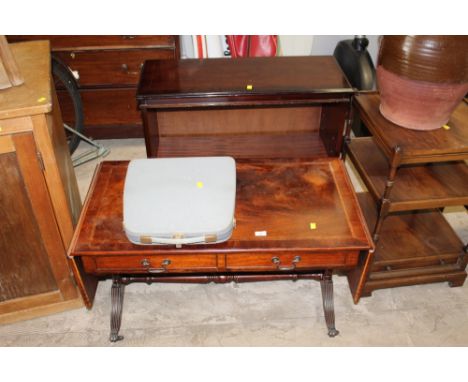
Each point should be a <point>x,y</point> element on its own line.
<point>411,176</point>
<point>39,199</point>
<point>108,68</point>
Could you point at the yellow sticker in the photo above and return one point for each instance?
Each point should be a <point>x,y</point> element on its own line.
<point>446,127</point>
<point>200,184</point>
<point>41,99</point>
<point>313,225</point>
<point>1,128</point>
<point>249,87</point>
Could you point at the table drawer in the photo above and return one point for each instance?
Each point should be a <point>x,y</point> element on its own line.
<point>290,262</point>
<point>111,67</point>
<point>150,264</point>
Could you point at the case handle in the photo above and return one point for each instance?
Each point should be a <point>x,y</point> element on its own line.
<point>173,241</point>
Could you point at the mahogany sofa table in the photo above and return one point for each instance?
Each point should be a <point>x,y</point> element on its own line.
<point>295,219</point>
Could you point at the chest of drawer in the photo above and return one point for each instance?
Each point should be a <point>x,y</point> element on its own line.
<point>112,108</point>
<point>88,42</point>
<point>150,264</point>
<point>290,261</point>
<point>110,67</point>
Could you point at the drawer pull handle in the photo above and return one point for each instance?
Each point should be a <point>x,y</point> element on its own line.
<point>146,263</point>
<point>276,260</point>
<point>126,70</point>
<point>129,37</point>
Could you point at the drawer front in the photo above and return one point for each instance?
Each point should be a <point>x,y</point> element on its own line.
<point>99,42</point>
<point>290,262</point>
<point>112,67</point>
<point>151,264</point>
<point>114,107</point>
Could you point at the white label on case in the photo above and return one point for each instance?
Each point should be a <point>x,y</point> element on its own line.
<point>260,233</point>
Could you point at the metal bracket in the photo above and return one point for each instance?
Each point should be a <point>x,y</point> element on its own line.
<point>97,152</point>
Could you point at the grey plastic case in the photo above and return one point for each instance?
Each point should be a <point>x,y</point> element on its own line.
<point>179,201</point>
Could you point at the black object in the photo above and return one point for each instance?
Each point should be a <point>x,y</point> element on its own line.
<point>63,77</point>
<point>356,63</point>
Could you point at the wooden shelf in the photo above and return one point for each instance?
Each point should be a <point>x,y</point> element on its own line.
<point>423,186</point>
<point>411,237</point>
<point>298,145</point>
<point>416,146</point>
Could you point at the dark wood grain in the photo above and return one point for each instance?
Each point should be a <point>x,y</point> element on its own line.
<point>278,75</point>
<point>23,255</point>
<point>208,101</point>
<point>333,122</point>
<point>416,146</point>
<point>413,248</point>
<point>108,113</point>
<point>281,198</point>
<point>416,186</point>
<point>298,145</point>
<point>427,238</point>
<point>99,42</point>
<point>111,67</point>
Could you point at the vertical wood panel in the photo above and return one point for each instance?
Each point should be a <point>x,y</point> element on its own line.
<point>24,265</point>
<point>44,212</point>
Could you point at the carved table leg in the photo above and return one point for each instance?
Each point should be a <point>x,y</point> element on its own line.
<point>326,285</point>
<point>117,294</point>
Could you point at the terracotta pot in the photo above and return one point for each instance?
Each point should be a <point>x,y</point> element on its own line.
<point>422,79</point>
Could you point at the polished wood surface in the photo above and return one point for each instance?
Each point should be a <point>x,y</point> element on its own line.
<point>40,201</point>
<point>298,194</point>
<point>416,146</point>
<point>116,67</point>
<point>266,75</point>
<point>296,107</point>
<point>279,197</point>
<point>100,117</point>
<point>413,247</point>
<point>408,174</point>
<point>433,185</point>
<point>97,42</point>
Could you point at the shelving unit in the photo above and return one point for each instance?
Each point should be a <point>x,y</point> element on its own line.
<point>410,176</point>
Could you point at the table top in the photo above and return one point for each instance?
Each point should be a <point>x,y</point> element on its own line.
<point>34,96</point>
<point>416,146</point>
<point>247,77</point>
<point>301,205</point>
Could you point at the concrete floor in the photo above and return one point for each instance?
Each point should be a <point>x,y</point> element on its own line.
<point>256,314</point>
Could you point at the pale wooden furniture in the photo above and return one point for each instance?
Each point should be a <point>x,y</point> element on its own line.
<point>39,199</point>
<point>9,72</point>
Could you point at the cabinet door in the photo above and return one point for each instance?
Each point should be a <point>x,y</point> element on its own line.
<point>33,265</point>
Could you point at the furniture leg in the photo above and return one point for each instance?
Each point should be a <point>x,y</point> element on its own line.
<point>326,285</point>
<point>117,294</point>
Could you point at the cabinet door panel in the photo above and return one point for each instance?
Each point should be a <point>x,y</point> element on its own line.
<point>24,266</point>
